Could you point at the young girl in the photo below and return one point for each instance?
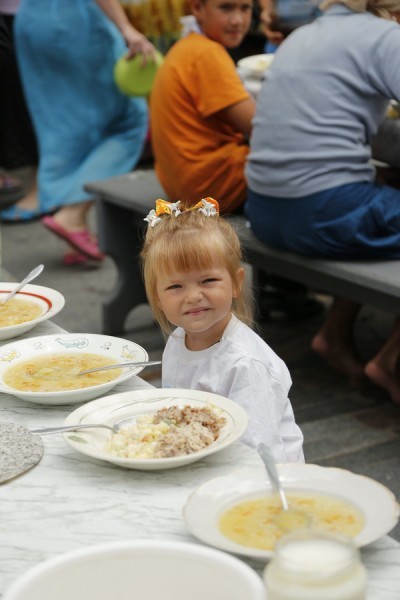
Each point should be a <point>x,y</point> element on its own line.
<point>194,280</point>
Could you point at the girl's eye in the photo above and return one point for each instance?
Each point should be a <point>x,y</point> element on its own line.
<point>175,286</point>
<point>210,280</point>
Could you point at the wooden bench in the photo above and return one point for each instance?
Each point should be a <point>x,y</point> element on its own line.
<point>124,201</point>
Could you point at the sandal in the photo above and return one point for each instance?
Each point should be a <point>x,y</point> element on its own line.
<point>14,214</point>
<point>81,240</point>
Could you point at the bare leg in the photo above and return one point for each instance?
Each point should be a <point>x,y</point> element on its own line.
<point>384,369</point>
<point>334,341</point>
<point>30,200</point>
<point>70,223</point>
<point>73,217</point>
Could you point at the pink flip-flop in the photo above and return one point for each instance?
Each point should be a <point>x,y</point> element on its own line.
<point>80,240</point>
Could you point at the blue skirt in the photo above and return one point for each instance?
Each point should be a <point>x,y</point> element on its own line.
<point>86,129</point>
<point>353,221</point>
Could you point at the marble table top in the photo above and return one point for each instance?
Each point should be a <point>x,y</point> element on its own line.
<point>68,500</point>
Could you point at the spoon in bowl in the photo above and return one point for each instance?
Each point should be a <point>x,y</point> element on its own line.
<point>62,428</point>
<point>30,277</point>
<point>147,363</point>
<point>288,518</point>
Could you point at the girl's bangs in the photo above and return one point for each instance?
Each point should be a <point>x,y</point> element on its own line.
<point>191,251</point>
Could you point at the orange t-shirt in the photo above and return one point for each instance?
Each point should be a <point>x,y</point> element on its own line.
<point>197,154</point>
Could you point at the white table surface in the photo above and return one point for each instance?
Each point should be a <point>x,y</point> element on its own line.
<point>68,501</point>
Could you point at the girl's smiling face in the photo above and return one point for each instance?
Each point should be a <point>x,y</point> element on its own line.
<point>198,301</point>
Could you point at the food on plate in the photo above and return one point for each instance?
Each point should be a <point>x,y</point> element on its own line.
<point>59,372</point>
<point>17,311</point>
<point>169,432</point>
<point>253,522</point>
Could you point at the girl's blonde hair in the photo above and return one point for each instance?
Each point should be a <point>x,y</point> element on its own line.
<point>188,242</point>
<point>380,8</point>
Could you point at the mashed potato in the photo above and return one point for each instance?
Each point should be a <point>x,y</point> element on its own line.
<point>169,432</point>
<point>252,523</point>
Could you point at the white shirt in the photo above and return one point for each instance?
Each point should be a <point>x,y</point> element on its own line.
<point>243,368</point>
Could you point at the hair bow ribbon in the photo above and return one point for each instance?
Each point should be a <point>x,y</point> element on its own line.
<point>208,206</point>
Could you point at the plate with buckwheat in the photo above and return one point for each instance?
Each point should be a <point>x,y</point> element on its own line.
<point>154,429</point>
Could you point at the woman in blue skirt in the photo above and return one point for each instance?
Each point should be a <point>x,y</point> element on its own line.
<point>86,129</point>
<point>311,182</point>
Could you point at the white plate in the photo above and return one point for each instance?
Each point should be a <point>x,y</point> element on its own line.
<point>117,349</point>
<point>49,300</point>
<point>113,409</point>
<point>256,65</point>
<point>208,502</point>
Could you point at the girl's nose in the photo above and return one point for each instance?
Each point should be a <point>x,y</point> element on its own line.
<point>193,293</point>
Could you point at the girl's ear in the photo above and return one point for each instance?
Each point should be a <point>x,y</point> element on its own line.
<point>237,284</point>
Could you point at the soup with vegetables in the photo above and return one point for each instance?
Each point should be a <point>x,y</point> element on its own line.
<point>253,523</point>
<point>59,372</point>
<point>17,311</point>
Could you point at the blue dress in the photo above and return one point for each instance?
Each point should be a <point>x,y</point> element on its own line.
<point>86,129</point>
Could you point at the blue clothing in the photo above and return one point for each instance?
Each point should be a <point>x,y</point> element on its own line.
<point>86,128</point>
<point>309,174</point>
<point>353,221</point>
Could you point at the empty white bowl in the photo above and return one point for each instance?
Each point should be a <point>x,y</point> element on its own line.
<point>145,570</point>
<point>50,302</point>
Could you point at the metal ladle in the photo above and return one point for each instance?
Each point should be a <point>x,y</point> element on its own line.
<point>288,518</point>
<point>30,277</point>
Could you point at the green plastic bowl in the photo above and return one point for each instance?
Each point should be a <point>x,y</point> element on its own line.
<point>134,79</point>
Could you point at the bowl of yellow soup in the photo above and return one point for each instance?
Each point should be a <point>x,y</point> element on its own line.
<point>237,512</point>
<point>29,307</point>
<point>45,369</point>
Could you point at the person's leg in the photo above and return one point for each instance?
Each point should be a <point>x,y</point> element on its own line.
<point>70,224</point>
<point>334,341</point>
<point>384,368</point>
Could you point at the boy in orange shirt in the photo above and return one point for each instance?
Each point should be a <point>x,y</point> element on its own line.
<point>200,112</point>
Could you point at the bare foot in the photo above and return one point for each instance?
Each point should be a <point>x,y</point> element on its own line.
<point>30,200</point>
<point>384,379</point>
<point>340,356</point>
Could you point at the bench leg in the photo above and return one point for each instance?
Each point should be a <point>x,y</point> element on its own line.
<point>120,237</point>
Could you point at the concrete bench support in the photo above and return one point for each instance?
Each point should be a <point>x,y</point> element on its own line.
<point>125,200</point>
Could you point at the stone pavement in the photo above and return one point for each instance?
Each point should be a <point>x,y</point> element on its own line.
<point>343,426</point>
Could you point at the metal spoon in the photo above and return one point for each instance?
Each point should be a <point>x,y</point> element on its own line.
<point>62,428</point>
<point>288,518</point>
<point>147,363</point>
<point>32,275</point>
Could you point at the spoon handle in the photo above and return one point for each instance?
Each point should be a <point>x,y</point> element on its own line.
<point>269,461</point>
<point>30,277</point>
<point>147,363</point>
<point>62,428</point>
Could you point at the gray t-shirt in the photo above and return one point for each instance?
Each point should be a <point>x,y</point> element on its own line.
<point>322,100</point>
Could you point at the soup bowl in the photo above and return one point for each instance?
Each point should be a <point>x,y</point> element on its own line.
<point>206,506</point>
<point>47,301</point>
<point>151,570</point>
<point>73,347</point>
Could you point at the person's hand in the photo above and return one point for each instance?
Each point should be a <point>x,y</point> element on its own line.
<point>138,44</point>
<point>274,37</point>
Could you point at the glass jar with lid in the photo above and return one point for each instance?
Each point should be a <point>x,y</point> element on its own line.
<point>313,565</point>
